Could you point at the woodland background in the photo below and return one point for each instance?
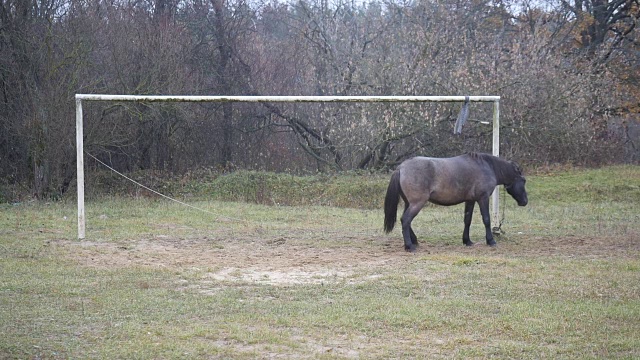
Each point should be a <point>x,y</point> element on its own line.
<point>568,73</point>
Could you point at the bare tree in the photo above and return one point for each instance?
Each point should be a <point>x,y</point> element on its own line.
<point>567,72</point>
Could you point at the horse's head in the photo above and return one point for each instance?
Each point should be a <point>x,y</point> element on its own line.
<point>516,188</point>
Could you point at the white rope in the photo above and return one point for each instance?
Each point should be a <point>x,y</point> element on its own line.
<point>154,191</point>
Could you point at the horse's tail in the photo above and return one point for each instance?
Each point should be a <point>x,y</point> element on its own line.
<point>391,201</point>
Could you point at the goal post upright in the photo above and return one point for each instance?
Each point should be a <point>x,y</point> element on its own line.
<point>261,99</point>
<point>80,168</point>
<point>495,196</point>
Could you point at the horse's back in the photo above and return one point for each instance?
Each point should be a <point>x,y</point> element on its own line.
<point>440,169</point>
<point>445,181</point>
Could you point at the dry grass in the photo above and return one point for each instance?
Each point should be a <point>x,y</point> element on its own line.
<point>154,280</point>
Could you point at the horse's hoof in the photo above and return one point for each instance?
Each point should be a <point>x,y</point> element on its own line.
<point>410,249</point>
<point>469,243</point>
<point>492,244</point>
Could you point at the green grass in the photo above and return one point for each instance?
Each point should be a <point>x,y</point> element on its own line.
<point>155,280</point>
<point>616,183</point>
<point>345,190</point>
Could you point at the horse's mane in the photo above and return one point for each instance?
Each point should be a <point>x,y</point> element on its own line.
<point>504,169</point>
<point>482,157</point>
<point>478,156</point>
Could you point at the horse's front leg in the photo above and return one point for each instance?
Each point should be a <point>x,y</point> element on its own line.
<point>468,214</point>
<point>486,219</point>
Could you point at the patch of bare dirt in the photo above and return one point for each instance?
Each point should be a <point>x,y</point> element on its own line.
<point>286,261</point>
<point>272,261</point>
<point>587,247</point>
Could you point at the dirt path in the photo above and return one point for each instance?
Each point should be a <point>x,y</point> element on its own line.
<point>284,261</point>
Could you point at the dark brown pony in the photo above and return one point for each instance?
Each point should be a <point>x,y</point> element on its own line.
<point>468,179</point>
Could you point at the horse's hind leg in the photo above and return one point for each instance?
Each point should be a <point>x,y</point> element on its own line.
<point>410,240</point>
<point>468,214</point>
<point>414,238</point>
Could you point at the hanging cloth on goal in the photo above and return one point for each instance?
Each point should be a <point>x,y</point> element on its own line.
<point>462,116</point>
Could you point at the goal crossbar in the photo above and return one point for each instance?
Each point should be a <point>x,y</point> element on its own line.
<point>220,98</point>
<point>267,99</point>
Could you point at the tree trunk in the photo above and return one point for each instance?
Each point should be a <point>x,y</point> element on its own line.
<point>224,84</point>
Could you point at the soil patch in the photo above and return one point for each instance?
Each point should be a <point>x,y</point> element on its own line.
<point>286,261</point>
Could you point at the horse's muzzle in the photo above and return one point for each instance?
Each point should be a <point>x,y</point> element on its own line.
<point>523,202</point>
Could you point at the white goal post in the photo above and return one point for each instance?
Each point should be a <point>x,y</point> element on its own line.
<point>259,99</point>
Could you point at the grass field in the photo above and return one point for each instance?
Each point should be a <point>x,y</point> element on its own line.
<point>258,279</point>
